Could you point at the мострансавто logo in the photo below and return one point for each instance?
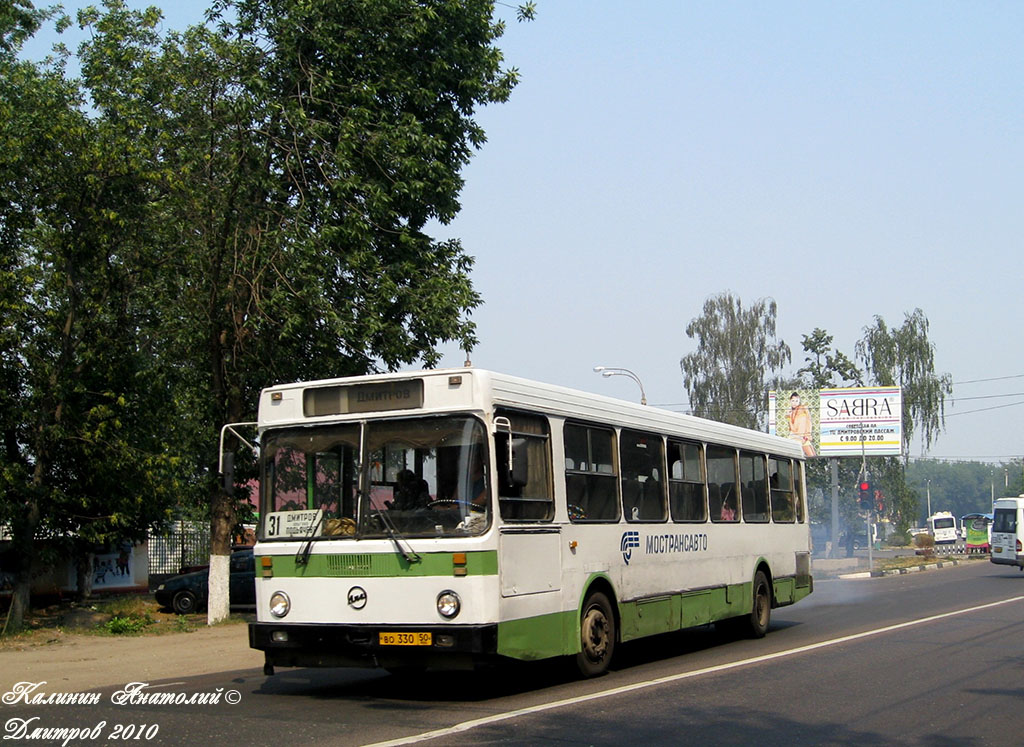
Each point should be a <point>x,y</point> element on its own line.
<point>630,540</point>
<point>659,544</point>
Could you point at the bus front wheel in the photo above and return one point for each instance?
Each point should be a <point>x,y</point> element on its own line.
<point>597,636</point>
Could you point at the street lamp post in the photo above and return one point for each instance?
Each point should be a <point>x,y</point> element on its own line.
<point>607,371</point>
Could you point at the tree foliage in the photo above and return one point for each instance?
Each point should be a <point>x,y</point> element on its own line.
<point>892,357</point>
<point>824,364</point>
<point>208,212</point>
<point>961,487</point>
<point>81,460</point>
<point>905,357</point>
<point>736,351</point>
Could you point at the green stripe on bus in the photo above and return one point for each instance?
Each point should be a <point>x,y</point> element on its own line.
<point>686,610</point>
<point>557,634</point>
<point>382,565</point>
<point>541,637</point>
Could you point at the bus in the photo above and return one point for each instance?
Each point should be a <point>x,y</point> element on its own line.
<point>942,526</point>
<point>1007,531</point>
<point>449,518</point>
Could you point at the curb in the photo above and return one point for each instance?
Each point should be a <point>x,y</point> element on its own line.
<point>902,571</point>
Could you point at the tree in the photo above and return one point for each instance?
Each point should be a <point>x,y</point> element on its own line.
<point>824,367</point>
<point>302,150</point>
<point>905,357</point>
<point>80,460</point>
<point>736,352</point>
<point>823,363</point>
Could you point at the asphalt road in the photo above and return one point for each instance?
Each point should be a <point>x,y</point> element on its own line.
<point>933,658</point>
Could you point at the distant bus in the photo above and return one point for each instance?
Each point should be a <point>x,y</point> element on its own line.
<point>445,518</point>
<point>1007,527</point>
<point>977,529</point>
<point>942,526</point>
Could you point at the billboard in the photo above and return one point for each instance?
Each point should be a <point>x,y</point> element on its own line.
<point>849,421</point>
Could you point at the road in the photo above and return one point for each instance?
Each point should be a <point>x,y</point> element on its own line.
<point>926,658</point>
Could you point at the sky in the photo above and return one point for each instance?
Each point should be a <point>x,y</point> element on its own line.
<point>848,160</point>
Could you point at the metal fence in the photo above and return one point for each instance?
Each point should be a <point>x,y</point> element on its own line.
<point>186,544</point>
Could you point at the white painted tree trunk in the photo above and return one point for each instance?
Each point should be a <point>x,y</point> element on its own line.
<point>217,605</point>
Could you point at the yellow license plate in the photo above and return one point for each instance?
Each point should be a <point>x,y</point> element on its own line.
<point>406,639</point>
<point>999,549</point>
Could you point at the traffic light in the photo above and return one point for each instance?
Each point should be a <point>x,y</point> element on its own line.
<point>864,487</point>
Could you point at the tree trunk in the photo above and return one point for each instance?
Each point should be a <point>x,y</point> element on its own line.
<point>221,521</point>
<point>23,543</point>
<point>84,561</point>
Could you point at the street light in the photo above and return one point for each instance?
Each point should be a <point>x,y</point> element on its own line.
<point>607,371</point>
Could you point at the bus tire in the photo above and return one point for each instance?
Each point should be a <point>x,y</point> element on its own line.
<point>761,612</point>
<point>597,635</point>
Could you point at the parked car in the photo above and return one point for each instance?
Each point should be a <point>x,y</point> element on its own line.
<point>188,592</point>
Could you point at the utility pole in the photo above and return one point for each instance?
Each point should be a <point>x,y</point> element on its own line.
<point>834,464</point>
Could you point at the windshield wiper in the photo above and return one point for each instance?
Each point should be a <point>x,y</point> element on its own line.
<point>302,556</point>
<point>411,556</point>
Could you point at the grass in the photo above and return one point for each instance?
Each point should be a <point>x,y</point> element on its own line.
<point>907,561</point>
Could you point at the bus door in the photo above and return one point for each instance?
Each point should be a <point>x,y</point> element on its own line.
<point>530,546</point>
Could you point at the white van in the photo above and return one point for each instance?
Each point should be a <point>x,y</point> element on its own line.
<point>942,526</point>
<point>1007,528</point>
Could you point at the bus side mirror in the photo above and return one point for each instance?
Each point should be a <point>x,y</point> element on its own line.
<point>226,457</point>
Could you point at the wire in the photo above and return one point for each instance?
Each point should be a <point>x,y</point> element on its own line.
<point>997,378</point>
<point>953,399</point>
<point>984,409</point>
<point>987,396</point>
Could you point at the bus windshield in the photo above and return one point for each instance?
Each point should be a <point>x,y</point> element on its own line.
<point>419,477</point>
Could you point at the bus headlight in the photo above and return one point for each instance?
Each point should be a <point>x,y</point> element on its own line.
<point>448,603</point>
<point>279,604</point>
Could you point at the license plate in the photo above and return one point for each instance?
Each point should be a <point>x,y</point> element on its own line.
<point>406,639</point>
<point>999,549</point>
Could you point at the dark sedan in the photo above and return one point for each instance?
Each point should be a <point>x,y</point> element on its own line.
<point>187,593</point>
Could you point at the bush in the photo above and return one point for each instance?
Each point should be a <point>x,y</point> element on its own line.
<point>897,539</point>
<point>924,543</point>
<point>118,625</point>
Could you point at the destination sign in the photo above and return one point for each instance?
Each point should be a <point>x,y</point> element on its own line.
<point>292,523</point>
<point>376,397</point>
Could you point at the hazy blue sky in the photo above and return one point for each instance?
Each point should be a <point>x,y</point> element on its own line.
<point>846,159</point>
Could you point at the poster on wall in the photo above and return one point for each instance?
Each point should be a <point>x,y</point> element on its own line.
<point>849,421</point>
<point>109,570</point>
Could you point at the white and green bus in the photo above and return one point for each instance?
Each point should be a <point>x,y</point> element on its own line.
<point>446,518</point>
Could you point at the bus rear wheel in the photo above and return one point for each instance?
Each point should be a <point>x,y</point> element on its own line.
<point>597,636</point>
<point>761,613</point>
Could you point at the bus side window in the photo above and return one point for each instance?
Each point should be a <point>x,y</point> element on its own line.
<point>641,461</point>
<point>722,504</point>
<point>754,486</point>
<point>592,488</point>
<point>798,491</point>
<point>532,500</point>
<point>687,498</point>
<point>783,495</point>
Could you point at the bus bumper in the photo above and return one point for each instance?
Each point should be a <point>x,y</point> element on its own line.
<point>1014,560</point>
<point>320,645</point>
